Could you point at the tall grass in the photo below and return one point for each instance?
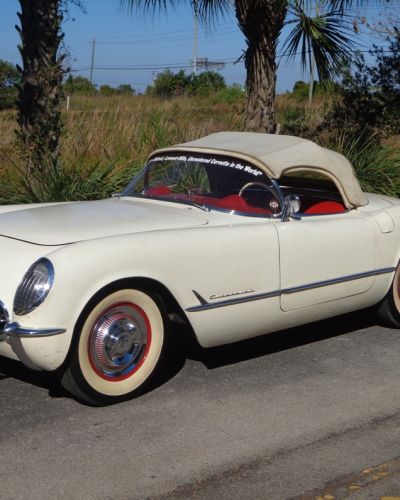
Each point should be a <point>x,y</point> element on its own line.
<point>132,127</point>
<point>297,117</point>
<point>377,166</point>
<point>107,139</point>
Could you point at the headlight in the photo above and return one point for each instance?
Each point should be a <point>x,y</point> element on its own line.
<point>34,287</point>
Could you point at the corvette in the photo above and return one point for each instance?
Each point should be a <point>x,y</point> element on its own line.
<point>237,234</point>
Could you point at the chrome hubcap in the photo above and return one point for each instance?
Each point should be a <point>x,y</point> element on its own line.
<point>118,341</point>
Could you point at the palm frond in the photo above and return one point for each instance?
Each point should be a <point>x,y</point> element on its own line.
<point>335,5</point>
<point>145,6</point>
<point>326,38</point>
<point>208,10</point>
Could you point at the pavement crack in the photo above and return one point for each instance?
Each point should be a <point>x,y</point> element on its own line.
<point>350,482</point>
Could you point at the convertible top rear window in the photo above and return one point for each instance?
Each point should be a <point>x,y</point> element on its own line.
<point>308,180</point>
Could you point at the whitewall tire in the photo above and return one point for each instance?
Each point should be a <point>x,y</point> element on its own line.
<point>389,308</point>
<point>117,349</point>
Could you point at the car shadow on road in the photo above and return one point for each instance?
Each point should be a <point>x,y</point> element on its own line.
<point>46,380</point>
<point>277,341</point>
<point>184,346</point>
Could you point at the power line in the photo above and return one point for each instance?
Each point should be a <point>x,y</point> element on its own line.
<point>187,34</point>
<point>144,46</point>
<point>185,65</point>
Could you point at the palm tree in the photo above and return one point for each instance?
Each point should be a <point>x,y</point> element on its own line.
<point>39,91</point>
<point>261,22</point>
<point>321,40</point>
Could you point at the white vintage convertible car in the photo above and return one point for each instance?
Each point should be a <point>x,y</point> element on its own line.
<point>238,234</point>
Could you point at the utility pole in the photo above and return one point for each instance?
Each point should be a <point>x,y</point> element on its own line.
<point>195,35</point>
<point>92,61</point>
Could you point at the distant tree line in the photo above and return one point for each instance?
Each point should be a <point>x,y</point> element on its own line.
<point>168,84</point>
<point>83,86</point>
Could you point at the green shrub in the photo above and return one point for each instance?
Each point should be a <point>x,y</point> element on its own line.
<point>168,84</point>
<point>294,122</point>
<point>377,166</point>
<point>66,183</point>
<point>9,78</point>
<point>79,85</point>
<point>230,95</point>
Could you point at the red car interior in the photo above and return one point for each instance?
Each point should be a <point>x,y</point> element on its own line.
<point>239,204</point>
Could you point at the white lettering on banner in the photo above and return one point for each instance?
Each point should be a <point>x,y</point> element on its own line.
<point>252,171</point>
<point>157,158</point>
<point>211,161</point>
<point>199,160</point>
<point>175,158</point>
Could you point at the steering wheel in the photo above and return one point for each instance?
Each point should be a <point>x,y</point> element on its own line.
<point>273,204</point>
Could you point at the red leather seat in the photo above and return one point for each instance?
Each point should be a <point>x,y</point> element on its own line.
<point>326,207</point>
<point>230,202</point>
<point>158,191</point>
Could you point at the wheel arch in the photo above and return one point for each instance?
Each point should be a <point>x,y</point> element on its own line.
<point>145,284</point>
<point>153,287</point>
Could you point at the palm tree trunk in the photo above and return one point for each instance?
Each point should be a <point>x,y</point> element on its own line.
<point>261,22</point>
<point>41,75</point>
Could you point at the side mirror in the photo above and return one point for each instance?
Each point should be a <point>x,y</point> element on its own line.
<point>291,207</point>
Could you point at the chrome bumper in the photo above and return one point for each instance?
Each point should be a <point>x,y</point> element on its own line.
<point>14,330</point>
<point>9,330</point>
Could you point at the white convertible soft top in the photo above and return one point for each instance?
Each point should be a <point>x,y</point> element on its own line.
<point>278,155</point>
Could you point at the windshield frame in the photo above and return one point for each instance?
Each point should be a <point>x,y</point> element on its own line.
<point>145,171</point>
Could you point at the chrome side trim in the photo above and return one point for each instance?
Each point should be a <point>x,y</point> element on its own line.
<point>204,305</point>
<point>229,302</point>
<point>334,281</point>
<point>201,299</point>
<point>17,331</point>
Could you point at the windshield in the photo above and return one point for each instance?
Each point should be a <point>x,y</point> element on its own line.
<point>212,181</point>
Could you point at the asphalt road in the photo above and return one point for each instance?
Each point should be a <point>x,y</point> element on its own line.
<point>313,412</point>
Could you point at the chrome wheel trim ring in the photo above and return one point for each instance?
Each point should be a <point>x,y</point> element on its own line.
<point>119,341</point>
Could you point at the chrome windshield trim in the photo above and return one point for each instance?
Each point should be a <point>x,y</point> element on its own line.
<point>17,331</point>
<point>334,281</point>
<point>205,208</point>
<point>204,305</point>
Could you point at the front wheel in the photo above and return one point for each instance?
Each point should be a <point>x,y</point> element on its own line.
<point>117,348</point>
<point>389,308</point>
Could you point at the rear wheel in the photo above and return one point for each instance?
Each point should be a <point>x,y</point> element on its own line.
<point>117,348</point>
<point>389,308</point>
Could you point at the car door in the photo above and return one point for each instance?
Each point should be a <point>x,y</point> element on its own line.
<point>324,258</point>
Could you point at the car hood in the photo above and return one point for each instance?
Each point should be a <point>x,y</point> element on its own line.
<point>62,223</point>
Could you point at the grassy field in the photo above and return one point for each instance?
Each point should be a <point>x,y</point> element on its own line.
<point>107,139</point>
<point>128,128</point>
<point>122,129</point>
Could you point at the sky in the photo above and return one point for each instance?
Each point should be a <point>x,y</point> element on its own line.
<point>148,44</point>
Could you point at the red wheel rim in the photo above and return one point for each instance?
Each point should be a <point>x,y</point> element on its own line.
<point>119,341</point>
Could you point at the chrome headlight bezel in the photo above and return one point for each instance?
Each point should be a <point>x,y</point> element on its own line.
<point>34,287</point>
